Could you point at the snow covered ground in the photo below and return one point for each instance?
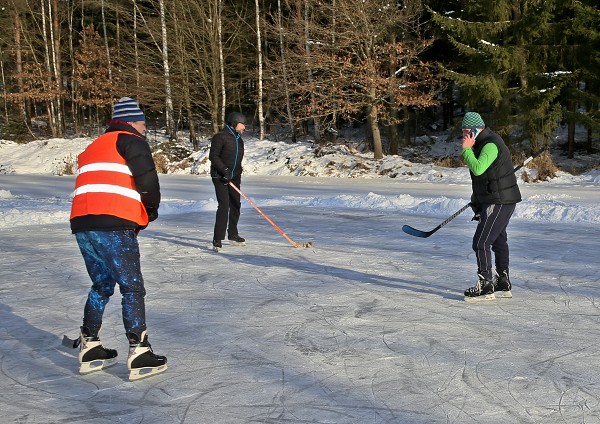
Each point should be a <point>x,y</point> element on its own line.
<point>369,326</point>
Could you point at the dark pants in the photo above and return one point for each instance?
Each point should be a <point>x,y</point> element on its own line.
<point>491,236</point>
<point>228,210</point>
<point>113,257</point>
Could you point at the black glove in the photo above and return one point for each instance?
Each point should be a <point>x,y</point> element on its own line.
<point>152,214</point>
<point>477,214</point>
<point>225,178</point>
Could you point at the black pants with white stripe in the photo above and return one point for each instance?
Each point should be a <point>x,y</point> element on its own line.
<point>490,235</point>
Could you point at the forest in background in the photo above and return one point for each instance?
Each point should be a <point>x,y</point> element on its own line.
<point>300,67</point>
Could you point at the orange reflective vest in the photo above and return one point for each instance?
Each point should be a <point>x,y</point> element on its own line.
<point>104,184</point>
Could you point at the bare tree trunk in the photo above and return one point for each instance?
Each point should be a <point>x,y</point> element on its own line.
<point>47,50</point>
<point>135,47</point>
<point>407,132</point>
<point>165,54</point>
<point>261,118</point>
<point>74,106</point>
<point>221,66</point>
<point>55,35</point>
<point>288,103</point>
<point>3,86</point>
<point>19,66</point>
<point>106,42</point>
<point>316,119</point>
<point>183,59</point>
<point>394,135</point>
<point>374,126</point>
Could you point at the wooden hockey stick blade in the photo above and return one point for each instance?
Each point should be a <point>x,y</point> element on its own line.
<point>308,244</point>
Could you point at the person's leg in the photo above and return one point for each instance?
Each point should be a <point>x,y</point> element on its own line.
<point>492,223</point>
<point>488,229</point>
<point>113,257</point>
<point>502,285</point>
<point>103,282</point>
<point>500,244</point>
<point>127,269</point>
<point>234,208</point>
<point>92,355</point>
<point>222,193</point>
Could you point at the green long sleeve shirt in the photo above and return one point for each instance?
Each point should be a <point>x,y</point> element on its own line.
<point>479,165</point>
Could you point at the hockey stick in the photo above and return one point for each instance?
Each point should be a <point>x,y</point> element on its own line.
<point>292,242</point>
<point>424,234</point>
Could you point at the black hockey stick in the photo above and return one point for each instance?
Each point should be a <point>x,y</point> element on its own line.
<point>424,234</point>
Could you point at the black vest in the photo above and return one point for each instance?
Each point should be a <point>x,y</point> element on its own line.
<point>498,184</point>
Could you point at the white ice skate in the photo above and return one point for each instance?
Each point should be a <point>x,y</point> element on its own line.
<point>142,361</point>
<point>92,355</point>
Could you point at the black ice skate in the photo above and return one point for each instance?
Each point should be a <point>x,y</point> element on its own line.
<point>483,290</point>
<point>92,355</point>
<point>217,245</point>
<point>237,240</point>
<point>142,362</point>
<point>502,286</point>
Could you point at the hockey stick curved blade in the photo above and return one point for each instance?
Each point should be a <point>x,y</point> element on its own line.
<point>417,233</point>
<point>424,234</point>
<point>304,245</point>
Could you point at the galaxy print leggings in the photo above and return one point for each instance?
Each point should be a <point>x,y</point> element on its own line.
<point>113,257</point>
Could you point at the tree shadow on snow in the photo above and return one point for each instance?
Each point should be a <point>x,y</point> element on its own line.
<point>312,268</point>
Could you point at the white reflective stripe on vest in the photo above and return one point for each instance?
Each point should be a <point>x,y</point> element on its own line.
<point>104,166</point>
<point>107,188</point>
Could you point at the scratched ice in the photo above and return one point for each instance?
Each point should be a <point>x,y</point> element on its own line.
<point>369,326</point>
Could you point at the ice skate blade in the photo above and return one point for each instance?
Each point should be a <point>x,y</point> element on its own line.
<point>139,373</point>
<point>237,243</point>
<point>96,365</point>
<point>216,249</point>
<point>483,298</point>
<point>507,294</point>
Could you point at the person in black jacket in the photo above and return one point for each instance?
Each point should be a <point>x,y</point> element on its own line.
<point>117,193</point>
<point>226,154</point>
<point>494,199</point>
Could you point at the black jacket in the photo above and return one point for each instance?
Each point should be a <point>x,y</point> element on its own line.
<point>226,153</point>
<point>498,184</point>
<point>137,154</point>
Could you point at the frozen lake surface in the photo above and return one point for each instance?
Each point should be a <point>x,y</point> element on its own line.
<point>369,326</point>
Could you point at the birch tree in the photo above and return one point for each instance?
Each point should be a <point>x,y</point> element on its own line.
<point>259,97</point>
<point>167,77</point>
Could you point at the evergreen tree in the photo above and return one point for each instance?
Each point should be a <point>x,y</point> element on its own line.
<point>520,61</point>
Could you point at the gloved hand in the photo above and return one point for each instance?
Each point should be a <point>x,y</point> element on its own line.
<point>477,214</point>
<point>225,178</point>
<point>152,214</point>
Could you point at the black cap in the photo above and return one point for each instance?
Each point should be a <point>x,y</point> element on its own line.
<point>234,118</point>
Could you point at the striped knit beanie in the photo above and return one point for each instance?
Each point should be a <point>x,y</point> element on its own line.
<point>127,110</point>
<point>472,120</point>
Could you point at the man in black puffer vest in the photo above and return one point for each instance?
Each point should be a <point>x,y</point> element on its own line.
<point>495,195</point>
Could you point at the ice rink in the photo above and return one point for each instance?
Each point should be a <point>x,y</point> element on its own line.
<point>369,326</point>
